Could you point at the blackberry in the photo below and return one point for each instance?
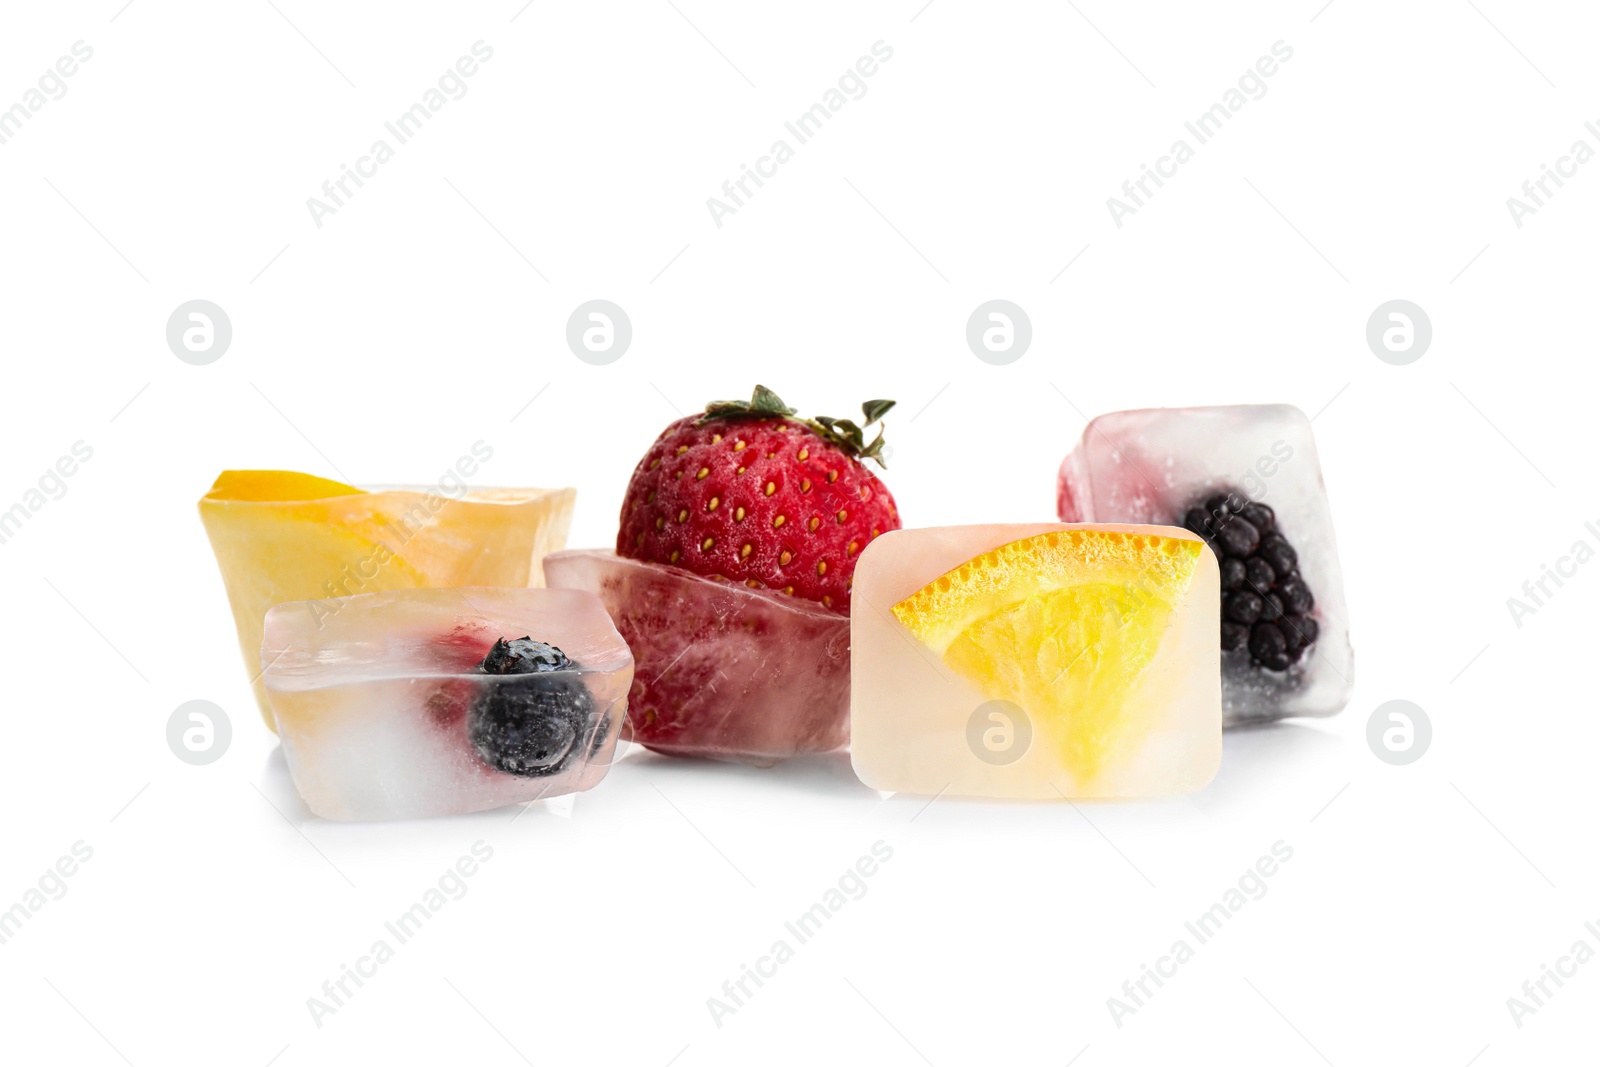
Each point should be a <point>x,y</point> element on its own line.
<point>1224,504</point>
<point>1296,596</point>
<point>1234,635</point>
<point>1269,647</point>
<point>1279,553</point>
<point>530,719</point>
<point>1299,630</point>
<point>1238,538</point>
<point>1266,604</point>
<point>1242,607</point>
<point>1261,517</point>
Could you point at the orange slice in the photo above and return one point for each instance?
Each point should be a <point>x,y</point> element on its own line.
<point>1064,625</point>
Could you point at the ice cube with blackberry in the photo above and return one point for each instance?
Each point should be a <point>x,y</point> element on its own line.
<point>1247,479</point>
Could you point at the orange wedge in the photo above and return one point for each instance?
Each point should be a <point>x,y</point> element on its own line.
<point>1063,624</point>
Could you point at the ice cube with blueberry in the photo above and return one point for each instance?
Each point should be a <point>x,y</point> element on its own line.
<point>422,702</point>
<point>1246,478</point>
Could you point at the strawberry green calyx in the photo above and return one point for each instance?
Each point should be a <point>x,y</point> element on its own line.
<point>851,437</point>
<point>762,402</point>
<point>845,434</point>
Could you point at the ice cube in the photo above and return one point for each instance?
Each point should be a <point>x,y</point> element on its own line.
<point>1036,661</point>
<point>723,671</point>
<point>384,711</point>
<point>1174,466</point>
<point>281,536</point>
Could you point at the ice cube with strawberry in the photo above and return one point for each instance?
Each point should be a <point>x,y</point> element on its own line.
<point>731,579</point>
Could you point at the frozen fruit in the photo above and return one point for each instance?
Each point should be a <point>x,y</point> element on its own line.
<point>532,726</point>
<point>1247,479</point>
<point>1300,629</point>
<point>1234,635</point>
<point>523,656</point>
<point>746,493</point>
<point>1243,606</point>
<point>1280,554</point>
<point>1238,539</point>
<point>725,671</point>
<point>1246,533</point>
<point>736,551</point>
<point>281,536</point>
<point>1296,596</point>
<point>1268,647</point>
<point>410,703</point>
<point>1089,651</point>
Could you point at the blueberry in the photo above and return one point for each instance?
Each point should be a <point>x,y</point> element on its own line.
<point>1234,635</point>
<point>524,656</point>
<point>1296,596</point>
<point>1243,607</point>
<point>1238,538</point>
<point>1278,552</point>
<point>1267,644</point>
<point>1233,574</point>
<point>530,716</point>
<point>1259,573</point>
<point>1261,517</point>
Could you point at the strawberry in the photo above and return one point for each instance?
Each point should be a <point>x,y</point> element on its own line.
<point>745,492</point>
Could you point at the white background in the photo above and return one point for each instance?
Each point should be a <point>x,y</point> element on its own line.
<point>427,312</point>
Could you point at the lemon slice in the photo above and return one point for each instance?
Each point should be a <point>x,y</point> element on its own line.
<point>1064,625</point>
<point>281,536</point>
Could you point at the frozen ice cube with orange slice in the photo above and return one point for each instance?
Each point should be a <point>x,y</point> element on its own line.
<point>281,536</point>
<point>1036,661</point>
